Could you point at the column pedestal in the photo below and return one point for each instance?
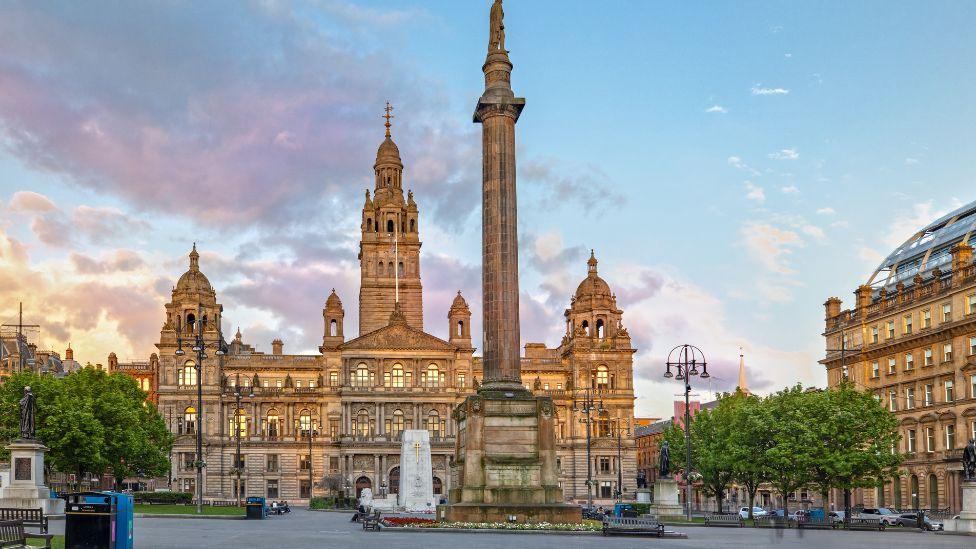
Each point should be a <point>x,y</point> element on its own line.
<point>643,495</point>
<point>666,502</point>
<point>26,489</point>
<point>966,523</point>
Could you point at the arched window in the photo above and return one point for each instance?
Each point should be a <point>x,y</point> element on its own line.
<point>362,423</point>
<point>389,269</point>
<point>914,487</point>
<point>602,377</point>
<point>460,328</point>
<point>438,486</point>
<point>434,424</point>
<point>362,376</point>
<point>379,269</point>
<point>240,422</point>
<point>274,423</point>
<point>396,427</point>
<point>432,376</point>
<point>896,492</point>
<point>400,268</point>
<point>389,225</point>
<point>304,423</point>
<point>190,319</point>
<point>333,328</point>
<point>933,492</point>
<point>586,327</point>
<point>369,223</point>
<point>376,226</point>
<point>190,420</point>
<point>599,328</point>
<point>187,374</point>
<point>395,480</point>
<point>396,376</point>
<point>413,225</point>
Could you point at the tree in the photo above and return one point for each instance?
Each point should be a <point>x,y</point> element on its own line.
<point>710,431</point>
<point>747,442</point>
<point>788,457</point>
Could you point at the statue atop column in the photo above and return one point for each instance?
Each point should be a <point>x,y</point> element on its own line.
<point>664,468</point>
<point>969,461</point>
<point>27,414</point>
<point>496,31</point>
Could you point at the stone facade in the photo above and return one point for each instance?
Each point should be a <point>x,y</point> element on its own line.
<point>358,394</point>
<point>911,339</point>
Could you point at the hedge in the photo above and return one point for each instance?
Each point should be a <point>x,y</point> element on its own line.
<point>184,498</point>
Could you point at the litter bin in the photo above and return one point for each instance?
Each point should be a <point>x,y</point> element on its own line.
<point>90,521</point>
<point>256,508</point>
<point>123,519</point>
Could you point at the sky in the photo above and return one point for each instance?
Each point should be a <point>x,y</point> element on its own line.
<point>733,165</point>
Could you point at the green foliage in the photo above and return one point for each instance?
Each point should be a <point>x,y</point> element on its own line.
<point>836,438</point>
<point>171,498</point>
<point>319,502</point>
<point>92,422</point>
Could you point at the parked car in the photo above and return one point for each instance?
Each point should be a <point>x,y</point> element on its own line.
<point>836,516</point>
<point>911,520</point>
<point>799,515</point>
<point>884,514</point>
<point>756,512</point>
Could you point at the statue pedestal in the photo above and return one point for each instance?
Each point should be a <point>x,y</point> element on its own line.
<point>666,502</point>
<point>643,495</point>
<point>966,523</point>
<point>26,489</point>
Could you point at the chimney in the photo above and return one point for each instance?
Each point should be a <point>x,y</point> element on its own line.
<point>864,295</point>
<point>277,346</point>
<point>832,307</point>
<point>962,257</point>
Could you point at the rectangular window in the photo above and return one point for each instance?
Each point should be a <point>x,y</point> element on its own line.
<point>946,312</point>
<point>929,392</point>
<point>928,356</point>
<point>892,400</point>
<point>311,384</point>
<point>334,428</point>
<point>950,434</point>
<point>909,398</point>
<point>909,361</point>
<point>304,489</point>
<point>304,462</point>
<point>298,384</point>
<point>874,334</point>
<point>971,304</point>
<point>461,379</point>
<point>240,462</point>
<point>949,391</point>
<point>891,365</point>
<point>972,345</point>
<point>334,463</point>
<point>874,369</point>
<point>278,383</point>
<point>271,488</point>
<point>265,384</point>
<point>911,441</point>
<point>606,489</point>
<point>972,386</point>
<point>559,386</point>
<point>272,463</point>
<point>604,465</point>
<point>926,318</point>
<point>947,352</point>
<point>972,429</point>
<point>891,329</point>
<point>907,324</point>
<point>930,439</point>
<point>333,379</point>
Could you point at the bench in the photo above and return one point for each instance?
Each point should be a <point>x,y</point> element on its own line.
<point>372,521</point>
<point>632,526</point>
<point>814,523</point>
<point>33,518</point>
<point>12,534</point>
<point>864,524</point>
<point>732,519</point>
<point>771,522</point>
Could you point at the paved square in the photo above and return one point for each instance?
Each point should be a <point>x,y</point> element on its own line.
<point>318,529</point>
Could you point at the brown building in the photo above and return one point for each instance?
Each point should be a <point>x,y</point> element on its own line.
<point>911,339</point>
<point>142,371</point>
<point>340,412</point>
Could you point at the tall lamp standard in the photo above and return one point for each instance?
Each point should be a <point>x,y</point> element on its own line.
<point>238,395</point>
<point>200,345</point>
<point>620,431</point>
<point>686,359</point>
<point>302,430</point>
<point>588,405</point>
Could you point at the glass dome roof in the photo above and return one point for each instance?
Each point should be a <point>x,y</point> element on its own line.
<point>927,249</point>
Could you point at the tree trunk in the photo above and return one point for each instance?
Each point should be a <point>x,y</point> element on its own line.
<point>752,502</point>
<point>847,504</point>
<point>786,506</point>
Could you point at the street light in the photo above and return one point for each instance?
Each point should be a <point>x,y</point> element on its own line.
<point>199,345</point>
<point>300,431</point>
<point>587,405</point>
<point>686,359</point>
<point>237,431</point>
<point>620,431</point>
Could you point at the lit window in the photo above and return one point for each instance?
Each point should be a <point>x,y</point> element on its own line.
<point>844,373</point>
<point>187,374</point>
<point>273,423</point>
<point>304,423</point>
<point>431,377</point>
<point>602,377</point>
<point>240,419</point>
<point>434,424</point>
<point>397,425</point>
<point>460,381</point>
<point>333,379</point>
<point>972,386</point>
<point>947,352</point>
<point>362,376</point>
<point>361,423</point>
<point>189,420</point>
<point>396,376</point>
<point>278,383</point>
<point>909,361</point>
<point>949,391</point>
<point>298,384</point>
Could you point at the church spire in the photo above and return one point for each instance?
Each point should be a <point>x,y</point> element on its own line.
<point>742,373</point>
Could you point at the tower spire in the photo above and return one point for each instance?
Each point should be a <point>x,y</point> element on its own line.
<point>388,116</point>
<point>742,373</point>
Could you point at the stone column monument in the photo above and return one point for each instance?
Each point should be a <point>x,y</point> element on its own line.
<point>26,489</point>
<point>505,454</point>
<point>416,475</point>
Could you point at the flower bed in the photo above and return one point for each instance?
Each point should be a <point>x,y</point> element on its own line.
<point>566,527</point>
<point>408,521</point>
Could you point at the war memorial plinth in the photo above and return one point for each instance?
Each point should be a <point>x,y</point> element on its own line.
<point>505,454</point>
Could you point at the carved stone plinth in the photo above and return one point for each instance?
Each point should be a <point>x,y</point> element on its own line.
<point>505,462</point>
<point>966,523</point>
<point>666,502</point>
<point>643,495</point>
<point>26,489</point>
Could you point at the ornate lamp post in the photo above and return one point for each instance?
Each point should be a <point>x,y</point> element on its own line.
<point>311,430</point>
<point>686,359</point>
<point>620,431</point>
<point>199,345</point>
<point>588,404</point>
<point>238,395</point>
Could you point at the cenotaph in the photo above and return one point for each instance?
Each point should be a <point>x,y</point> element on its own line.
<point>416,475</point>
<point>26,489</point>
<point>504,467</point>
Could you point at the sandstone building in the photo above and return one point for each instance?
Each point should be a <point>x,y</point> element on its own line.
<point>341,412</point>
<point>911,339</point>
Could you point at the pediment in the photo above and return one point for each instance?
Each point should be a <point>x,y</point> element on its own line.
<point>398,336</point>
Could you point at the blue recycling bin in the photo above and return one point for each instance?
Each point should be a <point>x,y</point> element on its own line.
<point>123,519</point>
<point>89,521</point>
<point>256,508</point>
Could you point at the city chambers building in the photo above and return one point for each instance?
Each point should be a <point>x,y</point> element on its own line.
<point>911,339</point>
<point>316,424</point>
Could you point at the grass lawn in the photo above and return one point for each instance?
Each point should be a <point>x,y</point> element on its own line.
<point>162,509</point>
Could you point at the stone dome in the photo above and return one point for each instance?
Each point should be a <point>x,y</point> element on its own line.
<point>459,302</point>
<point>593,285</point>
<point>388,153</point>
<point>333,302</point>
<point>193,279</point>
